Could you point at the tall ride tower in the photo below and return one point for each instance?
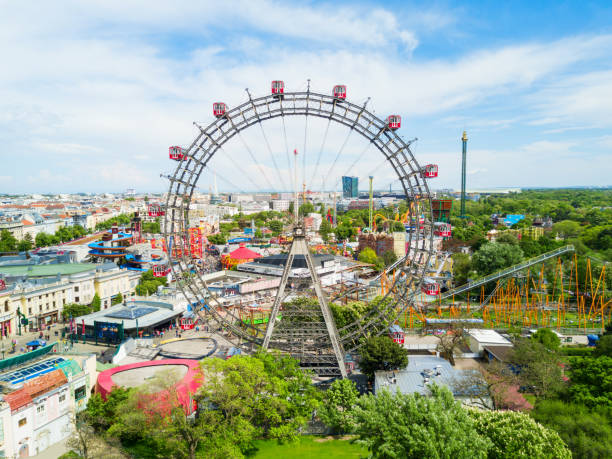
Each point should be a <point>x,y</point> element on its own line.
<point>463,155</point>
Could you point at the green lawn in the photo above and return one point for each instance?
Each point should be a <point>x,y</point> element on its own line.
<point>308,447</point>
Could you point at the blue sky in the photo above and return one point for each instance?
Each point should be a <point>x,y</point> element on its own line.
<point>93,93</point>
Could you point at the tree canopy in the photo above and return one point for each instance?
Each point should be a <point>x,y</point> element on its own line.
<point>336,409</point>
<point>494,256</point>
<point>587,432</point>
<point>548,338</point>
<point>413,426</point>
<point>516,435</point>
<point>382,353</point>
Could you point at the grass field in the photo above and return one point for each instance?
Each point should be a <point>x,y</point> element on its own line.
<point>308,447</point>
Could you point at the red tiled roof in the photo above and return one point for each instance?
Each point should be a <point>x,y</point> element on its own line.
<point>17,399</point>
<point>45,383</point>
<point>26,222</point>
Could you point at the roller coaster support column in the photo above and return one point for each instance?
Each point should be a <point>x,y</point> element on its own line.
<point>463,155</point>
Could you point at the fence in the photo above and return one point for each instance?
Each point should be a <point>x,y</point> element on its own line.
<point>22,358</point>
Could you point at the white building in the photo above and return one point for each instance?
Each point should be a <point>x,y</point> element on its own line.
<point>280,205</point>
<point>479,338</point>
<point>36,410</point>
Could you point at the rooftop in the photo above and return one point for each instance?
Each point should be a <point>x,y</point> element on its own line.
<point>421,371</point>
<point>488,336</point>
<point>45,383</point>
<point>135,314</point>
<point>48,270</point>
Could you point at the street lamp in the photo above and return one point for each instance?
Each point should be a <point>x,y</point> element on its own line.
<point>3,350</point>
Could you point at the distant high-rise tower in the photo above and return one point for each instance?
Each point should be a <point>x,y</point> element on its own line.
<point>350,187</point>
<point>215,198</point>
<point>463,155</point>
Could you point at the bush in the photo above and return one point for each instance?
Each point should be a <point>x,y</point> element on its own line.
<point>548,338</point>
<point>587,433</point>
<point>516,435</point>
<point>577,351</point>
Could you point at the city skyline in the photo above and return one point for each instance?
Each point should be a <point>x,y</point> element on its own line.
<point>94,95</point>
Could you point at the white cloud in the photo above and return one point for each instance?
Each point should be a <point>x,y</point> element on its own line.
<point>90,82</point>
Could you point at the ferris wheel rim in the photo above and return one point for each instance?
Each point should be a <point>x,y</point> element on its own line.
<point>335,115</point>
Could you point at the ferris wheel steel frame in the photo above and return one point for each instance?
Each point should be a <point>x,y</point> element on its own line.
<point>396,152</point>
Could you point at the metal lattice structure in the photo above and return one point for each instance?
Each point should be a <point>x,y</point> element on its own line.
<point>210,140</point>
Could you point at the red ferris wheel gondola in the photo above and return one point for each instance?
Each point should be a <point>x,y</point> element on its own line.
<point>176,153</point>
<point>394,122</point>
<point>161,270</point>
<point>442,229</point>
<point>278,87</point>
<point>430,287</point>
<point>156,210</point>
<point>430,171</point>
<point>340,91</point>
<point>219,109</point>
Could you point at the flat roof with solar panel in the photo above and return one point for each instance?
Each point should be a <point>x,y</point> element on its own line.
<point>130,313</point>
<point>32,371</point>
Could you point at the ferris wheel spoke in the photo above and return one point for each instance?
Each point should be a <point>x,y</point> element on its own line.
<point>348,171</point>
<point>263,173</point>
<point>337,156</point>
<point>321,152</point>
<point>278,172</point>
<point>287,150</point>
<point>236,164</point>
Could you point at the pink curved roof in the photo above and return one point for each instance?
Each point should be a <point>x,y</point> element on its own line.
<point>242,253</point>
<point>184,388</point>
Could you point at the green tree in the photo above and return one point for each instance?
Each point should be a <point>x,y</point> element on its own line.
<point>104,413</point>
<point>507,238</point>
<point>75,310</point>
<point>389,257</point>
<point>306,208</point>
<point>548,338</point>
<point>395,425</point>
<point>382,353</point>
<point>461,268</point>
<point>291,208</point>
<point>567,229</point>
<point>276,226</point>
<point>367,255</point>
<point>217,239</point>
<point>587,432</point>
<point>42,240</point>
<point>325,229</point>
<point>24,245</point>
<point>398,227</point>
<point>264,395</point>
<point>8,242</point>
<point>516,435</point>
<point>336,409</point>
<point>540,369</point>
<point>492,257</point>
<point>591,381</point>
<point>604,346</point>
<point>96,303</point>
<point>118,299</point>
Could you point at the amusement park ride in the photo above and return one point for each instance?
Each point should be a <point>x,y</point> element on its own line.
<point>409,287</point>
<point>308,333</point>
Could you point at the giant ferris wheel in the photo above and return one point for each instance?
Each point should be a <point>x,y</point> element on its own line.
<point>305,330</point>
